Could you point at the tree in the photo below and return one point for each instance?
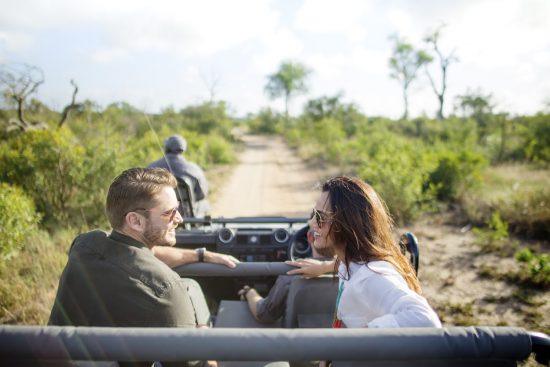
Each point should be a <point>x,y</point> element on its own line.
<point>288,81</point>
<point>404,64</point>
<point>444,61</point>
<point>20,81</point>
<point>479,106</point>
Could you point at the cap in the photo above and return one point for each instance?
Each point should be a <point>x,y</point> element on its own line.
<point>175,144</point>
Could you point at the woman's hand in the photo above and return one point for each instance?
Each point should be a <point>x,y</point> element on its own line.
<point>310,268</point>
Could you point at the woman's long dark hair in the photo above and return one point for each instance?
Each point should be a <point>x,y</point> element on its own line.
<point>362,228</point>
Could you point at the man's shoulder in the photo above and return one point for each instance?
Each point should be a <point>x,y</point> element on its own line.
<point>124,262</point>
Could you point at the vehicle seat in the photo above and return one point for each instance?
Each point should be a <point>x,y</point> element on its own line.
<point>236,314</point>
<point>311,302</point>
<point>184,193</point>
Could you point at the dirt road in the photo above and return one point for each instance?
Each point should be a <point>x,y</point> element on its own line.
<point>269,180</point>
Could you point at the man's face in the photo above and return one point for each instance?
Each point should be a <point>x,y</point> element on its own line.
<point>320,224</point>
<point>162,220</point>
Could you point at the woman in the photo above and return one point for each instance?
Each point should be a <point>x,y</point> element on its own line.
<point>378,287</point>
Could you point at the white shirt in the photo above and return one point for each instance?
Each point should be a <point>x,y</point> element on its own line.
<point>377,296</point>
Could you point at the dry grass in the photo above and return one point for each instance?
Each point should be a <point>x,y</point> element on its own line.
<point>519,192</point>
<point>29,280</point>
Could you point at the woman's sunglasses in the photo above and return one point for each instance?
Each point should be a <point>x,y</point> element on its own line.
<point>320,217</point>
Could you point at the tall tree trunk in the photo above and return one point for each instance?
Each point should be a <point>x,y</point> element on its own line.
<point>406,103</point>
<point>287,97</point>
<point>441,99</point>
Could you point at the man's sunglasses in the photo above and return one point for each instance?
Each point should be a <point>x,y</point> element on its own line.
<point>320,217</point>
<point>170,214</point>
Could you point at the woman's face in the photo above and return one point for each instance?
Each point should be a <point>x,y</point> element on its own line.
<point>320,223</point>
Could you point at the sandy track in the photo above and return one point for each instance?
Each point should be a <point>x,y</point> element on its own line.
<point>269,180</point>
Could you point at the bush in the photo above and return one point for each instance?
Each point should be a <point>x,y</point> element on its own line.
<point>265,122</point>
<point>455,172</point>
<point>49,166</point>
<point>218,150</point>
<point>397,170</point>
<point>492,238</point>
<point>18,219</point>
<point>534,268</point>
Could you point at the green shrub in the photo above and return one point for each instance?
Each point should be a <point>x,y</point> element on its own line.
<point>534,268</point>
<point>455,172</point>
<point>493,238</point>
<point>397,169</point>
<point>266,122</point>
<point>218,150</point>
<point>18,219</point>
<point>49,166</point>
<point>537,144</point>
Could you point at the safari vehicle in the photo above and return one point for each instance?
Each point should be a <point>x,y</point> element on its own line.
<point>303,334</point>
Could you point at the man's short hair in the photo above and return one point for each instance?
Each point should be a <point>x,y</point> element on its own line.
<point>133,189</point>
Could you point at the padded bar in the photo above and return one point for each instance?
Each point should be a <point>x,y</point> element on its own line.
<point>246,220</point>
<point>242,270</point>
<point>176,344</point>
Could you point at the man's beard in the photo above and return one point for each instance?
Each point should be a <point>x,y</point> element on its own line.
<point>155,236</point>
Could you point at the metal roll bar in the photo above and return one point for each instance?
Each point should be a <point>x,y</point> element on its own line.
<point>177,344</point>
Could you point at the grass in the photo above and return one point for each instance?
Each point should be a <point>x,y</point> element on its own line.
<point>29,280</point>
<point>458,314</point>
<point>519,192</point>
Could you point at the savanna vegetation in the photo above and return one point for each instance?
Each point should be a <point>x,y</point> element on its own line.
<point>55,167</point>
<point>490,169</point>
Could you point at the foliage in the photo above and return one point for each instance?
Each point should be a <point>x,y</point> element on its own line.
<point>397,170</point>
<point>18,220</point>
<point>492,238</point>
<point>288,81</point>
<point>455,171</point>
<point>266,121</point>
<point>404,64</point>
<point>537,138</point>
<point>47,164</point>
<point>534,268</point>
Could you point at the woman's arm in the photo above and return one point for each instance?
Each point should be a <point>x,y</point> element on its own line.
<point>397,307</point>
<point>311,268</point>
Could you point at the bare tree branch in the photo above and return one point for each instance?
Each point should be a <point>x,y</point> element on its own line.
<point>71,106</point>
<point>20,81</point>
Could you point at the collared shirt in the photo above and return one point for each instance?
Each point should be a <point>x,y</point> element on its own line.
<point>375,295</point>
<point>116,281</point>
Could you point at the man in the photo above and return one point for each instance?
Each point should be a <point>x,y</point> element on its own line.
<point>116,280</point>
<point>173,160</point>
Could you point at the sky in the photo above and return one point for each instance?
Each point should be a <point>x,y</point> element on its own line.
<point>158,54</point>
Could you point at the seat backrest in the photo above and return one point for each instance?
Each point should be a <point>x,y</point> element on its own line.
<point>184,193</point>
<point>409,243</point>
<point>311,302</point>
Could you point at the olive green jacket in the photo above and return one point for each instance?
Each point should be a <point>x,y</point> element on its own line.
<point>114,280</point>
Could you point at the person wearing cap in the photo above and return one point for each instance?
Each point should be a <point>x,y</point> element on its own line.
<point>174,161</point>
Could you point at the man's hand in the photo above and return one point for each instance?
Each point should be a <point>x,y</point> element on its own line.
<point>216,258</point>
<point>310,268</point>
